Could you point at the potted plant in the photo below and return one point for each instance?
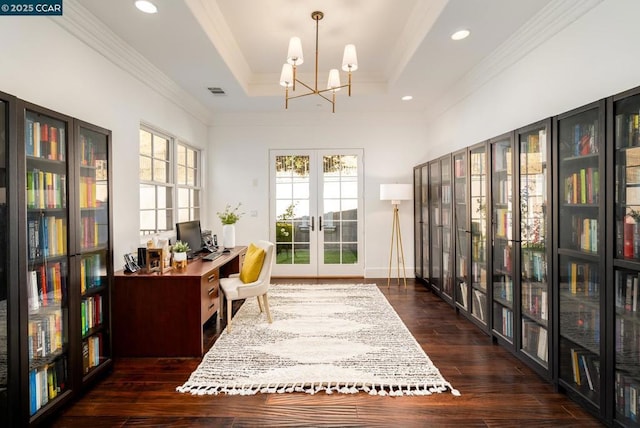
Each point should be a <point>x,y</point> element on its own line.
<point>179,250</point>
<point>229,217</point>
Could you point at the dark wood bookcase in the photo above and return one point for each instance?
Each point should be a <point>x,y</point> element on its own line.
<point>56,214</point>
<point>421,221</point>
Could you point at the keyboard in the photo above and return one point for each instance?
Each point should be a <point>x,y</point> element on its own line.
<point>212,256</point>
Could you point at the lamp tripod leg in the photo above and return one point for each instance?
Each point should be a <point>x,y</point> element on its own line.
<point>400,253</point>
<point>393,231</point>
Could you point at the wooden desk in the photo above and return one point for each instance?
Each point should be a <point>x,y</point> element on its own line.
<point>157,315</point>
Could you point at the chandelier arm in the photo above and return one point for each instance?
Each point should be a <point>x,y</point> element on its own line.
<point>307,86</point>
<point>332,89</point>
<point>302,95</point>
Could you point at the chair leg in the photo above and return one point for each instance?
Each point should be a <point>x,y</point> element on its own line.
<point>266,306</point>
<point>229,309</point>
<point>259,303</point>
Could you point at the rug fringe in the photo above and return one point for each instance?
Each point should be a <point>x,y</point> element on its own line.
<point>314,388</point>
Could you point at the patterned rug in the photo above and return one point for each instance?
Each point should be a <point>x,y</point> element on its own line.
<point>331,338</point>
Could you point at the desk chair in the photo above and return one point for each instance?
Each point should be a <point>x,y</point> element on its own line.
<point>234,289</point>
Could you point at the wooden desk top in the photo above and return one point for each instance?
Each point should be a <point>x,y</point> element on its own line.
<point>196,267</point>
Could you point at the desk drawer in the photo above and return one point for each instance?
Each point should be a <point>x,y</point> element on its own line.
<point>209,289</point>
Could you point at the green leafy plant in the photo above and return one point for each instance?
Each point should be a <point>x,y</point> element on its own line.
<point>180,247</point>
<point>229,215</point>
<point>635,215</point>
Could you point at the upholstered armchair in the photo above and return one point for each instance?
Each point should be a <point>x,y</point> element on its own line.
<point>235,288</point>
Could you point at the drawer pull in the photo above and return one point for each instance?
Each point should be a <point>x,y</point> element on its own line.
<point>211,305</point>
<point>212,290</point>
<point>211,277</point>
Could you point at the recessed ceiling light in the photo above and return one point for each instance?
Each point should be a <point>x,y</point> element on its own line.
<point>407,98</point>
<point>146,6</point>
<point>461,34</point>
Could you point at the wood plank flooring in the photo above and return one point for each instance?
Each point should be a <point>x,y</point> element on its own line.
<point>497,389</point>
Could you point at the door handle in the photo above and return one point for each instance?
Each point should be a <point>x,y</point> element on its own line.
<point>319,223</point>
<point>313,223</point>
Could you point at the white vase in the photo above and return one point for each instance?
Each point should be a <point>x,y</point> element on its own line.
<point>179,257</point>
<point>228,235</point>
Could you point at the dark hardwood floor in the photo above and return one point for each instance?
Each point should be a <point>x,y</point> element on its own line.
<point>497,389</point>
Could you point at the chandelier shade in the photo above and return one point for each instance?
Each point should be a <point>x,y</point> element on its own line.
<point>295,58</point>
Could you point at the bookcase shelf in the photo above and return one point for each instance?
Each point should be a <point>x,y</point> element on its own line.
<point>59,263</point>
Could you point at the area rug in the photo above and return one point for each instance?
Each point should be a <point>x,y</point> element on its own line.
<point>324,338</point>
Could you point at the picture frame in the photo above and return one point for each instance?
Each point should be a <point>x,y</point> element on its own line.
<point>155,260</point>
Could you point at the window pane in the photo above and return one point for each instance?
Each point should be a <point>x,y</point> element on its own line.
<point>191,177</point>
<point>160,171</point>
<point>164,197</point>
<point>191,158</point>
<point>183,214</point>
<point>182,155</point>
<point>145,168</point>
<point>160,147</point>
<point>195,198</point>
<point>147,197</point>
<point>183,198</point>
<point>163,219</point>
<point>349,189</point>
<point>145,143</point>
<point>182,175</point>
<point>147,221</point>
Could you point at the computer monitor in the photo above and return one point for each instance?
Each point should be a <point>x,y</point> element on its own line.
<point>190,232</point>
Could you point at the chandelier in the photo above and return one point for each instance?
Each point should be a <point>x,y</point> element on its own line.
<point>295,58</point>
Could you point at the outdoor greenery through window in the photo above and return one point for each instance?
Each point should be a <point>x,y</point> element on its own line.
<point>169,171</point>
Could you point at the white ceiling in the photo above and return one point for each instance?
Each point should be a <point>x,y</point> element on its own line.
<point>404,46</point>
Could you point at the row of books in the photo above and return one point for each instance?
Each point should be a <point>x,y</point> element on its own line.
<point>47,237</point>
<point>584,140</point>
<point>91,351</point>
<point>90,232</point>
<point>535,143</point>
<point>45,141</point>
<point>626,291</point>
<point>459,167</point>
<point>583,278</point>
<point>503,192</point>
<point>46,285</point>
<point>45,334</point>
<point>446,193</point>
<point>478,164</point>
<point>535,340</point>
<point>90,272</point>
<point>627,130</point>
<point>504,223</point>
<point>627,401</point>
<point>534,266</point>
<point>582,187</point>
<point>46,383</point>
<point>89,150</point>
<point>503,288</point>
<point>90,313</point>
<point>535,301</point>
<point>628,238</point>
<point>88,188</point>
<point>585,367</point>
<point>46,190</point>
<point>502,159</point>
<point>507,322</point>
<point>479,275</point>
<point>584,233</point>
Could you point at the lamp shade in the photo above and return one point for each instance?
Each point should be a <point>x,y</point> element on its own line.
<point>294,55</point>
<point>396,192</point>
<point>350,59</point>
<point>334,80</point>
<point>286,77</point>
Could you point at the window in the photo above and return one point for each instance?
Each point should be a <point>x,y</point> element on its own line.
<point>166,177</point>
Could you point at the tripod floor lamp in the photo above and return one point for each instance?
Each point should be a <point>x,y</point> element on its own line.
<point>396,193</point>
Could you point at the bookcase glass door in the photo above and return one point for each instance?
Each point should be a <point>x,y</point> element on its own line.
<point>479,216</point>
<point>435,206</point>
<point>447,228</point>
<point>424,224</point>
<point>627,259</point>
<point>417,223</point>
<point>461,229</point>
<point>46,142</point>
<point>4,269</point>
<point>502,260</point>
<point>579,136</point>
<point>93,242</point>
<point>534,240</point>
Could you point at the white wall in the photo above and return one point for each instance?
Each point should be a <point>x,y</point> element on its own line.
<point>45,65</point>
<point>597,56</point>
<point>239,170</point>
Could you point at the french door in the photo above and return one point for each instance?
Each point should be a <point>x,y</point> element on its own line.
<point>316,212</point>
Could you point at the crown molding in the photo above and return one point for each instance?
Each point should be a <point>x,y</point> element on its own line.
<point>554,17</point>
<point>83,25</point>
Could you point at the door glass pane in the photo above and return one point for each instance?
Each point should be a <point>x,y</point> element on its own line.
<point>435,195</point>
<point>47,267</point>
<point>340,203</point>
<point>479,216</point>
<point>293,221</point>
<point>4,267</point>
<point>447,231</point>
<point>502,199</point>
<point>424,226</point>
<point>461,229</point>
<point>533,245</point>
